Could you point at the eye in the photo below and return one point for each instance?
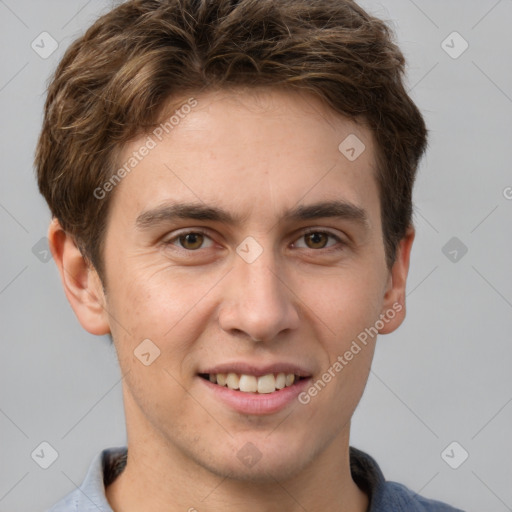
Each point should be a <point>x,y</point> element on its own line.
<point>317,240</point>
<point>191,241</point>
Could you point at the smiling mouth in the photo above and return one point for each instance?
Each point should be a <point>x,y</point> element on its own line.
<point>264,384</point>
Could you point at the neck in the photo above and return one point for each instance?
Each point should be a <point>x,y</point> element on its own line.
<point>148,483</point>
<point>160,477</point>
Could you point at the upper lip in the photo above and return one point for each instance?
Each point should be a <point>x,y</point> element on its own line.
<point>257,369</point>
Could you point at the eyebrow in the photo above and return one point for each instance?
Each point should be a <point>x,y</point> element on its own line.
<point>170,212</point>
<point>198,211</point>
<point>325,209</point>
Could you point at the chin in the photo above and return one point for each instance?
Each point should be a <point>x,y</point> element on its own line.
<point>258,460</point>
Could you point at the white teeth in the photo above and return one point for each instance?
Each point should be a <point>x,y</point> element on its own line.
<point>232,381</point>
<point>250,384</point>
<point>266,383</point>
<point>280,380</point>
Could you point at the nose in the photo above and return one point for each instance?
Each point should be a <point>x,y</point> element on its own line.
<point>257,302</point>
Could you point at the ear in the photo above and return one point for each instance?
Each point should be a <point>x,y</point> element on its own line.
<point>393,308</point>
<point>81,282</point>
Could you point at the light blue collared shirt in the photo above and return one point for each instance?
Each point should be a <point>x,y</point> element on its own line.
<point>384,496</point>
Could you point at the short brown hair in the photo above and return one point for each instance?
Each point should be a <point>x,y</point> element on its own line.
<point>114,81</point>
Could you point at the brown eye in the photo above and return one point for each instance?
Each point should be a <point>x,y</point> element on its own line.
<point>316,240</point>
<point>319,240</point>
<point>191,241</point>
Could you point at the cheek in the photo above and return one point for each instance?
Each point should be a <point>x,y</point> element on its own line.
<point>161,308</point>
<point>349,345</point>
<point>346,302</point>
<point>350,304</point>
<point>162,305</point>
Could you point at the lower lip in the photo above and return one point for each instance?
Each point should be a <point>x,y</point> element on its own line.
<point>257,403</point>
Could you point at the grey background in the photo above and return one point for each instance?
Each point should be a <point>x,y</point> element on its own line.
<point>444,376</point>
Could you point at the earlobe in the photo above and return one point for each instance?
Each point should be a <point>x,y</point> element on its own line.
<point>393,312</point>
<point>81,282</point>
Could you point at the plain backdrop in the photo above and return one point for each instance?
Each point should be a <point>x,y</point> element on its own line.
<point>444,377</point>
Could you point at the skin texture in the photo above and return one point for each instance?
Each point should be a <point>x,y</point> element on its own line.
<point>254,154</point>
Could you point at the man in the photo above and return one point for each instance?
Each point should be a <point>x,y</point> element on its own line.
<point>230,184</point>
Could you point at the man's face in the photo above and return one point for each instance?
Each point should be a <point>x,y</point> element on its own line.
<point>246,242</point>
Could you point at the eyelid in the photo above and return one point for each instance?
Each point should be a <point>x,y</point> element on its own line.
<point>326,231</point>
<point>186,231</point>
<point>206,233</point>
<point>314,229</point>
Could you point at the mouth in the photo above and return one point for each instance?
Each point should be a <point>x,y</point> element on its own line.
<point>246,383</point>
<point>255,388</point>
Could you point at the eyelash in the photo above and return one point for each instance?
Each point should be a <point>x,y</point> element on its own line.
<point>338,240</point>
<point>340,244</point>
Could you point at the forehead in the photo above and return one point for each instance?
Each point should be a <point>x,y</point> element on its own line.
<point>248,150</point>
